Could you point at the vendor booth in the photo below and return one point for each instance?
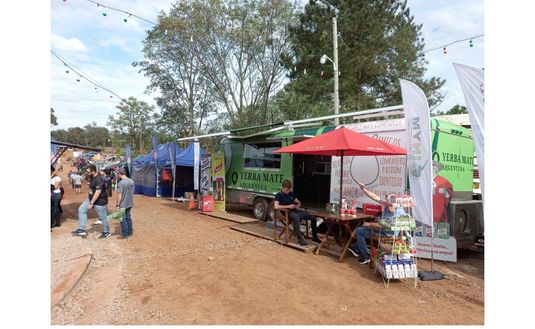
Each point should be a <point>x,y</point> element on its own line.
<point>145,173</point>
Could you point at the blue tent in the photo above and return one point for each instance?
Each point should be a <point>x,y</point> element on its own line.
<point>144,171</point>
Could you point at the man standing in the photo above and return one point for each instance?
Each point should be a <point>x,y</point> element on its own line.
<point>77,181</point>
<point>125,199</point>
<point>97,199</point>
<point>286,200</point>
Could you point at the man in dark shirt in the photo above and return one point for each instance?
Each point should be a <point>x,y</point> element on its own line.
<point>286,200</point>
<point>97,199</point>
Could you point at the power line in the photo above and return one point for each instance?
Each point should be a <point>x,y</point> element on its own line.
<point>84,77</point>
<point>122,11</point>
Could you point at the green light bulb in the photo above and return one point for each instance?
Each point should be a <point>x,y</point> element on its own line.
<point>104,14</point>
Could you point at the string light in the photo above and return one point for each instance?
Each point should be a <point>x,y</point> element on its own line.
<point>454,42</point>
<point>445,51</point>
<point>80,75</point>
<point>104,14</point>
<point>122,11</point>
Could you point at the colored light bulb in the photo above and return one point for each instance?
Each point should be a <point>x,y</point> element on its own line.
<point>445,51</point>
<point>471,44</point>
<point>104,14</point>
<point>125,20</point>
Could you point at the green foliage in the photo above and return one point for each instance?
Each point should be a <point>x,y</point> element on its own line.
<point>378,44</point>
<point>132,125</point>
<point>91,135</point>
<point>457,109</point>
<point>208,55</point>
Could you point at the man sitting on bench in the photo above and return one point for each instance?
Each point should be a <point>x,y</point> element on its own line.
<point>286,200</point>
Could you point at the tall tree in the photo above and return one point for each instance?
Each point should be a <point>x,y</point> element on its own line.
<point>133,124</point>
<point>378,43</point>
<point>186,95</point>
<point>214,54</point>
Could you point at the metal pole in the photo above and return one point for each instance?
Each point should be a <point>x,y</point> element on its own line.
<point>335,46</point>
<point>341,181</point>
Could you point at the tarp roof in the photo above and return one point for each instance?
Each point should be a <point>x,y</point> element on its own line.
<point>184,157</point>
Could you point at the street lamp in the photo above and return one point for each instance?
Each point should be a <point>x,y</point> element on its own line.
<point>324,59</point>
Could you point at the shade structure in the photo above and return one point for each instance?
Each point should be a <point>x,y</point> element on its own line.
<point>341,142</point>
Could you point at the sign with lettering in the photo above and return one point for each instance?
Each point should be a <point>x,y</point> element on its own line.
<point>218,181</point>
<point>443,249</point>
<point>262,180</point>
<point>381,174</point>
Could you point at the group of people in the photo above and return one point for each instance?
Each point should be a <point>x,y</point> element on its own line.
<point>286,200</point>
<point>98,197</point>
<point>101,184</point>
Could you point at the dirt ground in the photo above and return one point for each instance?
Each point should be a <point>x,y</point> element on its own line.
<point>181,267</point>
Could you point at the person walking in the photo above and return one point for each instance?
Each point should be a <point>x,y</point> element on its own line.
<point>125,199</point>
<point>77,181</point>
<point>55,197</point>
<point>71,181</point>
<point>97,199</point>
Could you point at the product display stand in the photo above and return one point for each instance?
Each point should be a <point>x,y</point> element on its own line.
<point>395,256</point>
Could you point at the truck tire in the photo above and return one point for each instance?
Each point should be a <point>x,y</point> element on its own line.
<point>260,209</point>
<point>271,211</point>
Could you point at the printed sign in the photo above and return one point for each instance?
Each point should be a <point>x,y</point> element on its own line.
<point>381,174</point>
<point>206,176</point>
<point>443,249</point>
<point>218,180</point>
<point>263,180</point>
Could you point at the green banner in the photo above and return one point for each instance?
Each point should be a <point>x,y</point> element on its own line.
<point>253,166</point>
<point>453,147</point>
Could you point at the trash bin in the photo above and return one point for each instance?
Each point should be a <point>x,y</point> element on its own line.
<point>207,203</point>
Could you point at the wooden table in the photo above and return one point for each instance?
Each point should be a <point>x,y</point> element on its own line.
<point>342,220</point>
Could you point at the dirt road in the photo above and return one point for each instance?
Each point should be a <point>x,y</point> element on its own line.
<point>184,268</point>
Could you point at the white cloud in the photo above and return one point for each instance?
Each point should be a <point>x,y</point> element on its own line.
<point>67,44</point>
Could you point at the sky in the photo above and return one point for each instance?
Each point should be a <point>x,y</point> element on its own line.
<point>104,47</point>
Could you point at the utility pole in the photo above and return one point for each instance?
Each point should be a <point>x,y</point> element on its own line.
<point>335,56</point>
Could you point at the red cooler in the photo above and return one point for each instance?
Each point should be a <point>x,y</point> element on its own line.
<point>207,203</point>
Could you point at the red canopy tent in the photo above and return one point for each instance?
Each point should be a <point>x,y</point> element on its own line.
<point>340,142</point>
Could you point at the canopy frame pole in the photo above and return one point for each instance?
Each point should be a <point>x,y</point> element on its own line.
<point>341,181</point>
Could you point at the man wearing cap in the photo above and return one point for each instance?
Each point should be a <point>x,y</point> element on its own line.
<point>125,199</point>
<point>390,210</point>
<point>442,194</point>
